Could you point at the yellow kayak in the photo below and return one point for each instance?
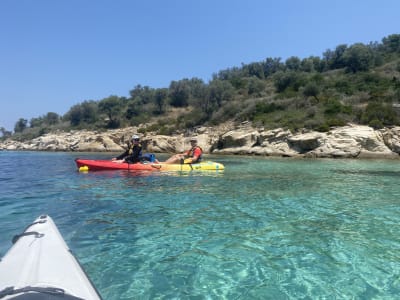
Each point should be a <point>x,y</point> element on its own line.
<point>203,166</point>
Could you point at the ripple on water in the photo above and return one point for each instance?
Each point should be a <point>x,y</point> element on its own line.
<point>289,229</point>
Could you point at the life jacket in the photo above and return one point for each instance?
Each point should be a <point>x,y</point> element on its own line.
<point>131,146</point>
<point>130,152</point>
<point>147,157</point>
<point>191,153</point>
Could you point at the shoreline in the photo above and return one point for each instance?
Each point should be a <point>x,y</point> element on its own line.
<point>351,141</point>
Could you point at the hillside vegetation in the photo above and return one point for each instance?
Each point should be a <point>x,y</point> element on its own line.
<point>353,83</point>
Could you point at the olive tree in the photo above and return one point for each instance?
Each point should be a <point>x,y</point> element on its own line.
<point>311,90</point>
<point>111,107</point>
<point>357,58</point>
<point>160,99</point>
<point>20,125</point>
<point>179,93</point>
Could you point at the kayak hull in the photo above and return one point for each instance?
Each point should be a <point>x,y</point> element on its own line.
<point>98,165</point>
<point>40,262</point>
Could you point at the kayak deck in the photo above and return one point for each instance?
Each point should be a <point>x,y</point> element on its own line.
<point>97,165</point>
<point>41,265</point>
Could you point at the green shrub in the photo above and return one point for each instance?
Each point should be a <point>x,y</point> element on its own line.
<point>344,86</point>
<point>334,107</point>
<point>322,127</point>
<point>379,113</point>
<point>375,123</point>
<point>166,130</point>
<point>335,122</point>
<point>265,108</point>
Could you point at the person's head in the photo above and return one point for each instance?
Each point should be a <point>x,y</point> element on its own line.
<point>135,138</point>
<point>193,141</point>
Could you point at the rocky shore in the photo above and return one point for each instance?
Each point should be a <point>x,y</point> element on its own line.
<point>351,141</point>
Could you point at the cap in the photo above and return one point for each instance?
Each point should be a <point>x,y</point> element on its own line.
<point>193,139</point>
<point>135,137</point>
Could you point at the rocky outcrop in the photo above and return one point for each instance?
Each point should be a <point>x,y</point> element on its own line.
<point>68,141</point>
<point>351,141</point>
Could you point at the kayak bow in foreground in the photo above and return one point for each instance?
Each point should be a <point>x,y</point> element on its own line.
<point>41,266</point>
<point>97,165</point>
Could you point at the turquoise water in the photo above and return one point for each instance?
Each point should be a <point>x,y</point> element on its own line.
<point>262,229</point>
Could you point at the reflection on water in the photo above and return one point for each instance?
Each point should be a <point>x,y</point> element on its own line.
<point>129,174</point>
<point>369,172</point>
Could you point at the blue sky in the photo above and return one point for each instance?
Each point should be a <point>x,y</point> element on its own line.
<point>54,54</point>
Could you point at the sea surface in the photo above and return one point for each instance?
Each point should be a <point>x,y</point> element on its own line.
<point>265,228</point>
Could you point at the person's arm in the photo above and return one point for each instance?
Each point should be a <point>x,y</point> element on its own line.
<point>121,156</point>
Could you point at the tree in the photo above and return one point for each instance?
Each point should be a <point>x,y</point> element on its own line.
<point>307,65</point>
<point>179,93</point>
<point>378,115</point>
<point>311,90</point>
<point>392,43</point>
<point>334,59</point>
<point>290,79</point>
<point>36,122</point>
<point>136,92</point>
<point>143,94</point>
<point>319,64</point>
<point>160,99</point>
<point>271,66</point>
<point>220,91</point>
<point>20,125</point>
<point>255,69</point>
<point>111,106</point>
<point>357,58</point>
<point>229,74</point>
<point>51,118</point>
<point>282,81</point>
<point>4,133</point>
<point>133,108</point>
<point>255,85</point>
<point>196,88</point>
<point>147,95</point>
<point>89,111</point>
<point>312,64</point>
<point>74,115</point>
<point>293,63</point>
<point>86,112</point>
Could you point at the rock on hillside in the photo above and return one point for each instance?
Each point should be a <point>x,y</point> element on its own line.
<point>351,141</point>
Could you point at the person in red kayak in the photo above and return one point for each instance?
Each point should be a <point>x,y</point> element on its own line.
<point>132,154</point>
<point>191,156</point>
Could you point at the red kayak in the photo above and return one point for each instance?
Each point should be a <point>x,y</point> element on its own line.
<point>98,164</point>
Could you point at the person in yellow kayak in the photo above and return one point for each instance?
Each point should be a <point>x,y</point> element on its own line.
<point>133,154</point>
<point>191,156</point>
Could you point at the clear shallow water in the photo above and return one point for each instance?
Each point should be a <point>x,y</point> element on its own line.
<point>262,229</point>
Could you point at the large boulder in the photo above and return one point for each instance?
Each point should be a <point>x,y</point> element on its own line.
<point>391,138</point>
<point>306,142</point>
<point>162,143</point>
<point>352,141</point>
<point>239,138</point>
